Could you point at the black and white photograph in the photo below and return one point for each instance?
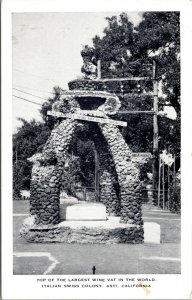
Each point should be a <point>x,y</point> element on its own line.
<point>96,162</point>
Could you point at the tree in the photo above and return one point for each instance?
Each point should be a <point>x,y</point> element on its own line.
<point>114,48</point>
<point>29,139</point>
<point>49,120</point>
<point>82,147</point>
<point>128,51</point>
<point>159,34</point>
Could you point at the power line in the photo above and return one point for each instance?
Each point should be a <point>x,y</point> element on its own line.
<point>29,94</point>
<point>27,88</point>
<point>27,100</point>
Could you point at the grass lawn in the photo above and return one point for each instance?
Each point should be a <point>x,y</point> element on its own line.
<point>109,259</point>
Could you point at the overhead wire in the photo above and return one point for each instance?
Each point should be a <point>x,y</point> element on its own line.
<point>27,100</point>
<point>29,94</point>
<point>27,88</point>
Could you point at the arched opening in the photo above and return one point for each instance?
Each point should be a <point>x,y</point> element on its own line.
<point>109,175</point>
<point>114,174</point>
<point>94,179</point>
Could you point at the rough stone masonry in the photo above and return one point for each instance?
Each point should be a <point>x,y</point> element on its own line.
<point>119,180</point>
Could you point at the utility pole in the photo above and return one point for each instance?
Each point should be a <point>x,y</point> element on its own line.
<point>155,127</point>
<point>96,176</point>
<point>99,69</point>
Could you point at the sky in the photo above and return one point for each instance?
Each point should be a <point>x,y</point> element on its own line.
<point>46,53</point>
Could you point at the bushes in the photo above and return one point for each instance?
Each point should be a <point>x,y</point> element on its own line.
<point>175,200</point>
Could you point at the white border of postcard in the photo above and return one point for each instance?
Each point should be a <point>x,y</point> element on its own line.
<point>26,286</point>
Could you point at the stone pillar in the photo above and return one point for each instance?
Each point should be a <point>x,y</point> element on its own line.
<point>108,178</point>
<point>47,172</point>
<point>108,194</point>
<point>44,202</point>
<point>128,175</point>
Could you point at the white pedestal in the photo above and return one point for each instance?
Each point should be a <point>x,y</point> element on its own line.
<point>152,233</point>
<point>88,211</point>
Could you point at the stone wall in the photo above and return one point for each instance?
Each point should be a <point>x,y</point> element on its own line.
<point>108,195</point>
<point>85,235</point>
<point>128,175</point>
<point>118,87</point>
<point>47,173</point>
<point>119,175</point>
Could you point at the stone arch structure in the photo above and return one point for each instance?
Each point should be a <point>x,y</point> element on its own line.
<point>120,186</point>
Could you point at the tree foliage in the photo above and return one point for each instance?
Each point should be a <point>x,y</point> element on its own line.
<point>125,50</point>
<point>29,139</point>
<point>128,51</point>
<point>159,34</point>
<point>49,120</point>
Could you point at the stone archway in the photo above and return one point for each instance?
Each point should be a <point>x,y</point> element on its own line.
<point>49,165</point>
<point>120,185</point>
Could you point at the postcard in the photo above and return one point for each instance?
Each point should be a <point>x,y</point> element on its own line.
<point>96,149</point>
